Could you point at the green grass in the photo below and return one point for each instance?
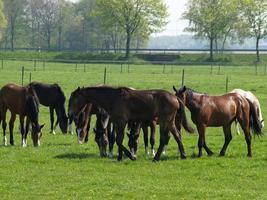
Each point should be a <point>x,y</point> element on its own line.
<point>62,169</point>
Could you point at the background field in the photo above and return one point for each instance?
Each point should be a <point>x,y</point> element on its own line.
<point>61,168</point>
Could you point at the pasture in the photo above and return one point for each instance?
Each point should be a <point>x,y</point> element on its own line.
<point>61,168</point>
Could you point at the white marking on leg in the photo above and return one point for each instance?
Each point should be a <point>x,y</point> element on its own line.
<point>164,150</point>
<point>24,143</point>
<point>70,129</point>
<point>79,135</point>
<point>147,151</point>
<point>237,128</point>
<point>153,152</point>
<point>39,143</point>
<point>5,141</point>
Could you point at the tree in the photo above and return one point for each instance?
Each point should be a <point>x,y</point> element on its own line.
<point>14,10</point>
<point>254,15</point>
<point>211,19</point>
<point>131,15</point>
<point>2,19</point>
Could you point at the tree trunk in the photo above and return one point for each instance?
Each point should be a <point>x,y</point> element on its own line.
<point>257,49</point>
<point>128,43</point>
<point>12,34</point>
<point>211,49</point>
<point>59,37</point>
<point>48,39</point>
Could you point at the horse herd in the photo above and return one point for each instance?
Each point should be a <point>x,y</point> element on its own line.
<point>116,108</point>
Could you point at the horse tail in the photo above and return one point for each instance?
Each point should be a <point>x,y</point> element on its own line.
<point>182,118</point>
<point>254,122</point>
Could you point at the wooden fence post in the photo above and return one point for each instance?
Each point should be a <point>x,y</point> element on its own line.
<point>182,78</point>
<point>105,76</point>
<point>22,75</point>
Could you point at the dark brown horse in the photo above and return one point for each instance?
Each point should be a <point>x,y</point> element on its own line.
<point>24,102</point>
<point>125,105</point>
<point>104,135</point>
<point>52,96</point>
<point>216,111</point>
<point>135,128</point>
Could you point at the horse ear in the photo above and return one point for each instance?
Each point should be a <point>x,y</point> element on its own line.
<point>175,90</point>
<point>184,88</point>
<point>42,126</point>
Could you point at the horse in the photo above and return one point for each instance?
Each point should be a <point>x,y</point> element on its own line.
<point>134,128</point>
<point>52,96</point>
<point>103,133</point>
<point>254,100</point>
<point>24,102</point>
<point>220,111</point>
<point>125,105</point>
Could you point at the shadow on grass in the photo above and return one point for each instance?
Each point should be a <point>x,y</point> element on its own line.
<point>73,156</point>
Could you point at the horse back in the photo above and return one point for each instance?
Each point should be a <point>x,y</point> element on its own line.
<point>13,97</point>
<point>49,94</point>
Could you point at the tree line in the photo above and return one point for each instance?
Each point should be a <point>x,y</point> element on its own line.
<point>124,24</point>
<point>60,24</point>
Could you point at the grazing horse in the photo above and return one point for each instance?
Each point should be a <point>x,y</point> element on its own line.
<point>216,111</point>
<point>52,96</point>
<point>135,128</point>
<point>103,133</point>
<point>254,100</point>
<point>126,105</point>
<point>24,102</point>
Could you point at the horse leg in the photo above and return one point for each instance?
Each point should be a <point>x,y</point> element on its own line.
<point>51,110</point>
<point>227,138</point>
<point>178,138</point>
<point>27,127</point>
<point>145,131</point>
<point>3,115</point>
<point>201,139</point>
<point>22,131</point>
<point>70,126</point>
<point>111,139</point>
<point>163,133</point>
<point>11,127</point>
<point>119,140</point>
<point>245,127</point>
<point>152,137</point>
<point>87,128</point>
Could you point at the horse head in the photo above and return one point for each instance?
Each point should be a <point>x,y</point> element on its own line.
<point>181,93</point>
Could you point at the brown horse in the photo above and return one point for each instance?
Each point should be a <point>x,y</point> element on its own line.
<point>216,111</point>
<point>125,105</point>
<point>24,102</point>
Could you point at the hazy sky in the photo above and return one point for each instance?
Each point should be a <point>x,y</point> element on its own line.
<point>176,25</point>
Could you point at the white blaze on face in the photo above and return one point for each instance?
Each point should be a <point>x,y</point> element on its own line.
<point>79,130</point>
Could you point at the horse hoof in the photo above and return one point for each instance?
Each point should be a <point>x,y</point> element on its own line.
<point>183,157</point>
<point>133,158</point>
<point>155,160</point>
<point>24,145</point>
<point>53,132</point>
<point>249,156</point>
<point>210,154</point>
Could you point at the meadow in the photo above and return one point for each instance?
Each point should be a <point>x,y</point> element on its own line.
<point>62,169</point>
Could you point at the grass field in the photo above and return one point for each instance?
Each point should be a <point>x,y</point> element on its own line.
<point>62,169</point>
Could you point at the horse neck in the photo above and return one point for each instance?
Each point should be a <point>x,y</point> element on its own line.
<point>191,101</point>
<point>100,97</point>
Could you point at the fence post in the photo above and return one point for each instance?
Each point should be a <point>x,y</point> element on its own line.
<point>121,67</point>
<point>22,75</point>
<point>211,68</point>
<point>2,63</point>
<point>43,65</point>
<point>265,69</point>
<point>76,66</point>
<point>105,76</point>
<point>226,84</point>
<point>34,65</point>
<point>182,78</point>
<point>219,69</point>
<point>30,78</point>
<point>84,67</point>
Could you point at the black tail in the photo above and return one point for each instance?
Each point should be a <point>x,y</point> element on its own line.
<point>254,122</point>
<point>182,118</point>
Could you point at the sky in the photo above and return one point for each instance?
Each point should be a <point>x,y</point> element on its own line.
<point>175,24</point>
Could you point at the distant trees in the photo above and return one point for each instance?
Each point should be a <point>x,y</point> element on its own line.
<point>130,16</point>
<point>59,24</point>
<point>2,18</point>
<point>211,19</point>
<point>220,19</point>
